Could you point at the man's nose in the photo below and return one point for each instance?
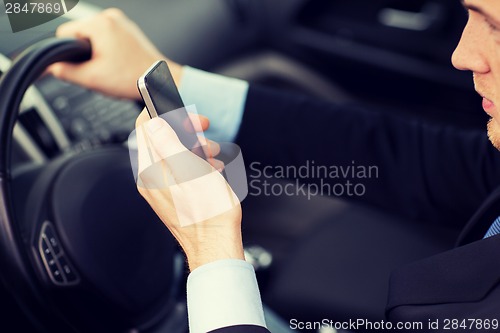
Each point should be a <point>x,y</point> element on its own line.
<point>469,52</point>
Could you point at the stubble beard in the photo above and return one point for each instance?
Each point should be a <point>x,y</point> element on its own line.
<point>494,133</point>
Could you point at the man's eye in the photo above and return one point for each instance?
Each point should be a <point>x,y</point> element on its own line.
<point>492,26</point>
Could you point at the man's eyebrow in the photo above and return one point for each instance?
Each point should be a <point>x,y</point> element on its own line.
<point>479,10</point>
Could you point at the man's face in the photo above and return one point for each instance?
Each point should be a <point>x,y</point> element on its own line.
<point>479,52</point>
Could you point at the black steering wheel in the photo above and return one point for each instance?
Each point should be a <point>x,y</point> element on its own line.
<point>80,250</point>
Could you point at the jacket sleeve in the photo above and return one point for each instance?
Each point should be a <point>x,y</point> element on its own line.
<point>242,329</point>
<point>418,170</point>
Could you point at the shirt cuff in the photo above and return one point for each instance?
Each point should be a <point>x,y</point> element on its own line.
<point>222,294</point>
<point>221,99</point>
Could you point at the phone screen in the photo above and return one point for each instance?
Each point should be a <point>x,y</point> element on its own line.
<point>162,99</point>
<point>158,90</point>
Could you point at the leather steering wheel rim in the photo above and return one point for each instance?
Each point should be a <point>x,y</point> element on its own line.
<point>23,72</point>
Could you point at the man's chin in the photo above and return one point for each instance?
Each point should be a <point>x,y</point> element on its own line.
<point>494,133</point>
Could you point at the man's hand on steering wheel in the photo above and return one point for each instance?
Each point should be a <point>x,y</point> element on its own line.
<point>121,53</point>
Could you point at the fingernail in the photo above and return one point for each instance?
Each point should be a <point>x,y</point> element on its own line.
<point>155,124</point>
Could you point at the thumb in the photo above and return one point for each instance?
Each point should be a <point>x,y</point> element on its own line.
<point>163,138</point>
<point>77,73</point>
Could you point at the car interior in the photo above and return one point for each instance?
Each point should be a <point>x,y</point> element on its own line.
<point>81,251</point>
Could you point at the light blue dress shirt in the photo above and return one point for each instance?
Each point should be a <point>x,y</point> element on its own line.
<point>220,98</point>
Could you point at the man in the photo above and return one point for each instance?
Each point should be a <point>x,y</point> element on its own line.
<point>223,296</point>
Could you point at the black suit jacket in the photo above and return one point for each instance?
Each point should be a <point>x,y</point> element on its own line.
<point>440,174</point>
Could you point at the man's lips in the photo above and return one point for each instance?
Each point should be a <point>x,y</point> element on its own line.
<point>488,105</point>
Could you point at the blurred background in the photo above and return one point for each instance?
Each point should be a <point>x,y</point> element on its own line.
<point>392,53</point>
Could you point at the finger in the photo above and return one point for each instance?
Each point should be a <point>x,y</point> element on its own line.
<point>163,138</point>
<point>206,148</point>
<point>217,164</point>
<point>80,73</point>
<point>211,148</point>
<point>197,122</point>
<point>152,170</point>
<point>70,72</point>
<point>91,26</point>
<point>145,160</point>
<point>214,148</point>
<point>76,29</point>
<point>142,118</point>
<point>147,153</point>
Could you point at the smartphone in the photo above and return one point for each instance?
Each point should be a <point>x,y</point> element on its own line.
<point>158,90</point>
<point>162,99</point>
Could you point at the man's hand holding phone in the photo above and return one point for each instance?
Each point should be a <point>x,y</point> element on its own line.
<point>184,186</point>
<point>175,201</point>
